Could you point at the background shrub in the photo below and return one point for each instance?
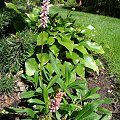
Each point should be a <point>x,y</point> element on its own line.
<point>14,50</point>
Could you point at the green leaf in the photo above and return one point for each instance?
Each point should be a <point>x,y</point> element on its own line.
<point>35,101</point>
<point>81,48</point>
<point>58,115</point>
<point>90,63</point>
<point>28,94</point>
<point>91,94</point>
<point>108,101</point>
<point>68,107</point>
<point>43,58</point>
<point>48,66</point>
<point>53,80</point>
<point>93,116</point>
<point>94,96</point>
<point>63,86</point>
<point>88,110</point>
<point>15,110</point>
<point>75,58</point>
<point>55,50</point>
<point>66,42</point>
<point>32,17</point>
<point>45,94</point>
<point>30,112</point>
<point>54,63</point>
<point>12,6</point>
<point>67,74</point>
<point>36,78</point>
<point>78,84</point>
<point>50,40</point>
<point>80,70</point>
<point>42,38</point>
<point>94,46</point>
<point>31,66</point>
<point>39,90</point>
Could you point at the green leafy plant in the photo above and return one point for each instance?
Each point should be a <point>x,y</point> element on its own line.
<point>56,70</point>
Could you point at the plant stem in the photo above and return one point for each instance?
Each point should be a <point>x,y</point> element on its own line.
<point>41,65</point>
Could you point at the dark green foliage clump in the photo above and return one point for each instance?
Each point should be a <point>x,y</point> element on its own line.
<point>14,50</point>
<point>6,84</point>
<point>6,17</point>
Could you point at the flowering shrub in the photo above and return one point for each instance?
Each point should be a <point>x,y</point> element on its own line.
<point>56,70</point>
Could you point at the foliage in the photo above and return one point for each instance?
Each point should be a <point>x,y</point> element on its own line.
<point>63,52</point>
<point>5,19</point>
<point>14,50</point>
<point>6,84</point>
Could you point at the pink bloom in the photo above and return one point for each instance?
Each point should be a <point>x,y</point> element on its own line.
<point>55,103</point>
<point>44,13</point>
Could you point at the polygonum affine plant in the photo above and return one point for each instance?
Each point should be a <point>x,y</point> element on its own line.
<point>56,71</point>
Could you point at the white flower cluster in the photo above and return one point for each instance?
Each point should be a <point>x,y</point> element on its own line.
<point>44,13</point>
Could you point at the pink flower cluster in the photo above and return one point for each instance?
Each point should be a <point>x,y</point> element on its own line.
<point>44,13</point>
<point>55,103</point>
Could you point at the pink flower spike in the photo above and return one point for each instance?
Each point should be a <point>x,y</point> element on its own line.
<point>44,13</point>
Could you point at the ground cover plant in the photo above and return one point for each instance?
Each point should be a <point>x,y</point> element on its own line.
<point>56,69</point>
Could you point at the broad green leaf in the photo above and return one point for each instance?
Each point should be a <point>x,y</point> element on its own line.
<point>63,86</point>
<point>75,58</point>
<point>58,115</point>
<point>42,38</point>
<point>31,66</point>
<point>39,90</point>
<point>36,78</point>
<point>93,46</point>
<point>53,80</point>
<point>54,50</point>
<point>66,42</point>
<point>62,68</point>
<point>73,76</point>
<point>15,110</point>
<point>93,116</point>
<point>108,101</point>
<point>88,110</point>
<point>90,93</point>
<point>68,107</point>
<point>30,112</point>
<point>80,70</point>
<point>94,96</point>
<point>32,17</point>
<point>50,40</point>
<point>36,11</point>
<point>67,74</point>
<point>35,101</point>
<point>78,84</point>
<point>61,29</point>
<point>45,94</point>
<point>80,48</point>
<point>104,110</point>
<point>43,58</point>
<point>54,63</point>
<point>90,63</point>
<point>28,94</point>
<point>12,6</point>
<point>48,66</point>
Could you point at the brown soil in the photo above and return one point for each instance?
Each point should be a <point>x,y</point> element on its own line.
<point>107,85</point>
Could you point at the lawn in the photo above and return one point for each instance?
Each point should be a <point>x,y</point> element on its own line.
<point>108,33</point>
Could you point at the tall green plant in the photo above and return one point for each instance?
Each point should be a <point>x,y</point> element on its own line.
<point>63,52</point>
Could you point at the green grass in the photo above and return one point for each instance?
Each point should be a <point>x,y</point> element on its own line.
<point>108,32</point>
